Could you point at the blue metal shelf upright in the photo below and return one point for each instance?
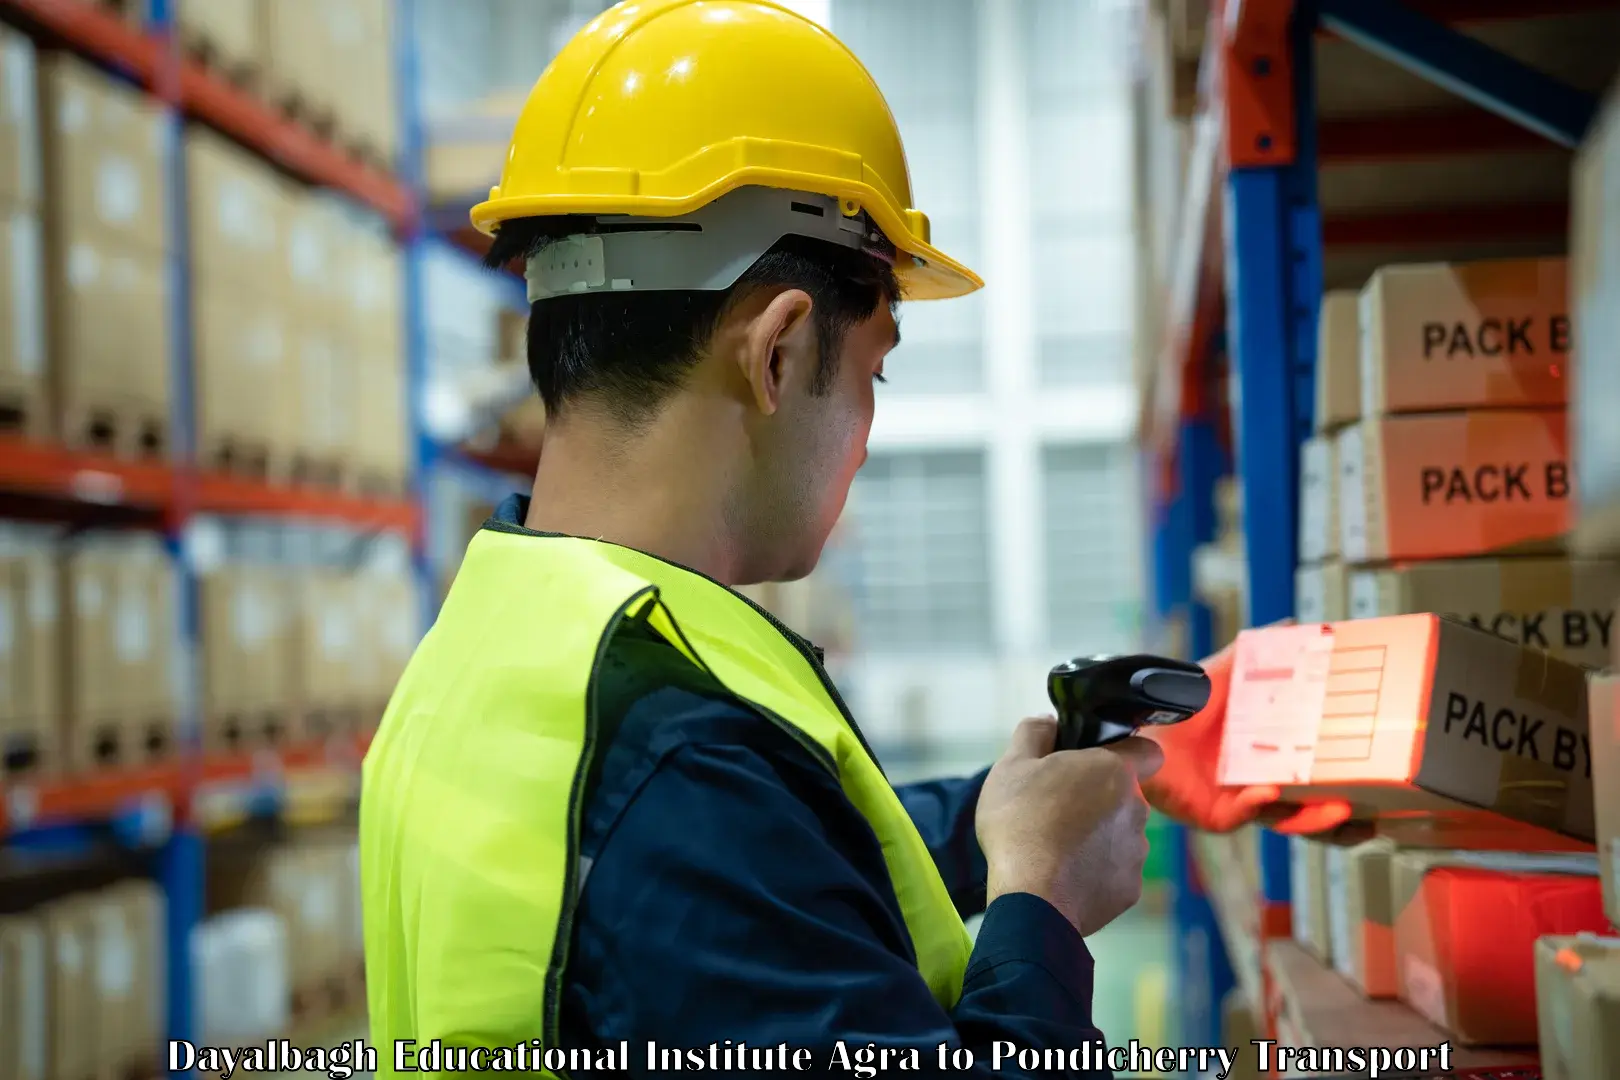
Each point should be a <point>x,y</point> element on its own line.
<point>1256,201</point>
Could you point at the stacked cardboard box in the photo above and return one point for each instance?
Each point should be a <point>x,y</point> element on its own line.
<point>23,389</point>
<point>81,980</point>
<point>247,618</point>
<point>1455,484</point>
<point>309,884</point>
<point>106,247</point>
<point>370,332</point>
<point>1319,583</point>
<point>30,655</point>
<point>331,62</point>
<point>238,210</point>
<point>121,656</point>
<point>225,33</point>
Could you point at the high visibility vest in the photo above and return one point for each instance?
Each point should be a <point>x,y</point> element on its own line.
<point>470,805</point>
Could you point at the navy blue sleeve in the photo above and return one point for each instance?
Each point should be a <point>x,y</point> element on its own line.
<point>738,895</point>
<point>943,811</point>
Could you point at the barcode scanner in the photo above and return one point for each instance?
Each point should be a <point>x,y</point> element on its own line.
<point>1103,699</point>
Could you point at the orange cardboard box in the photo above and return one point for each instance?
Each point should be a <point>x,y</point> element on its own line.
<point>1470,335</point>
<point>1412,713</point>
<point>1465,946</point>
<point>1453,485</point>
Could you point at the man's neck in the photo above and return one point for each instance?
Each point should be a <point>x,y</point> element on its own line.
<point>656,492</point>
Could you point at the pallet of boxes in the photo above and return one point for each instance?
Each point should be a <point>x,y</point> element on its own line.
<point>1441,684</point>
<point>81,984</point>
<point>1578,977</point>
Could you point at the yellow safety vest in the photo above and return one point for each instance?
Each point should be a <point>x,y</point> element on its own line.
<point>470,806</point>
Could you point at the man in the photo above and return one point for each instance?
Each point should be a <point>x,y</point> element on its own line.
<point>612,801</point>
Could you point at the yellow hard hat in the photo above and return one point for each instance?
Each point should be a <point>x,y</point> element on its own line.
<point>658,108</point>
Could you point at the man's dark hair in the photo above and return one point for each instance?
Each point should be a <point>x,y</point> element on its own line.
<point>632,349</point>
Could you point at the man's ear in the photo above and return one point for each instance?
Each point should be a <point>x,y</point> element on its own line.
<point>779,347</point>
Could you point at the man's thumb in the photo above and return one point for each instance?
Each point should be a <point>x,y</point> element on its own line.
<point>1034,737</point>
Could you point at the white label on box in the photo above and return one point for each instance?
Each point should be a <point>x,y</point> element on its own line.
<point>32,1036</point>
<point>1315,489</point>
<point>84,266</point>
<point>27,302</point>
<point>305,254</point>
<point>336,632</point>
<point>1338,905</point>
<point>236,212</point>
<point>41,599</point>
<point>1353,481</point>
<point>1425,990</point>
<point>118,190</point>
<point>115,956</point>
<point>69,952</point>
<point>1310,595</point>
<point>88,596</point>
<point>251,616</point>
<point>17,57</point>
<point>132,630</point>
<point>73,113</point>
<point>1363,594</point>
<point>320,904</point>
<point>1299,879</point>
<point>1275,706</point>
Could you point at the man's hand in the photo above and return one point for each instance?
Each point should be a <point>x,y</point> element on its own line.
<point>1068,826</point>
<point>1186,788</point>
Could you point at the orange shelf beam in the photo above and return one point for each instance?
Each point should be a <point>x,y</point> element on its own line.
<point>54,472</point>
<point>98,795</point>
<point>103,34</point>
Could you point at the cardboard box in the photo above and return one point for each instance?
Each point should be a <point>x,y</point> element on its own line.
<point>1594,239</point>
<point>1321,593</point>
<point>381,450</point>
<point>238,218</point>
<point>25,991</point>
<point>23,382</point>
<point>228,29</point>
<point>110,340</point>
<point>1453,485</point>
<point>241,347</point>
<point>318,291</point>
<point>30,701</point>
<point>104,147</point>
<point>1603,705</point>
<point>1578,1006</point>
<point>1361,918</point>
<point>112,962</point>
<point>1318,500</point>
<point>1565,606</point>
<point>1473,335</point>
<point>326,374</point>
<point>247,666</point>
<point>21,183</point>
<point>1311,926</point>
<point>71,1011</point>
<point>145,912</point>
<point>293,52</point>
<point>1465,933</point>
<point>1338,361</point>
<point>1411,712</point>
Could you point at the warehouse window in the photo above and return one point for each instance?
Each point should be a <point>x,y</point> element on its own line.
<point>1093,557</point>
<point>936,106</point>
<point>919,523</point>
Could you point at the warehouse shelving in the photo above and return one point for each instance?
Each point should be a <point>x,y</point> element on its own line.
<point>149,56</point>
<point>171,806</point>
<point>1250,260</point>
